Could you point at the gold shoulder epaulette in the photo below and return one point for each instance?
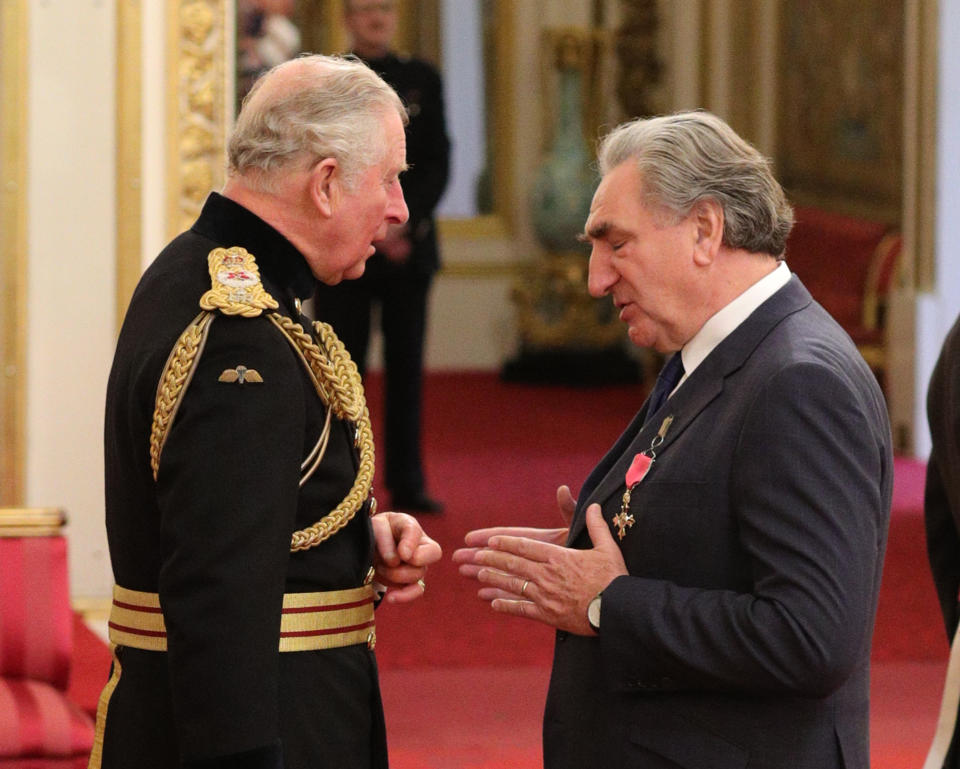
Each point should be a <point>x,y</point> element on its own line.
<point>236,287</point>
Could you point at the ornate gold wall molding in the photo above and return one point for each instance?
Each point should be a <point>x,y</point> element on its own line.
<point>13,248</point>
<point>920,144</point>
<point>197,116</point>
<point>129,129</point>
<point>481,270</point>
<point>500,56</point>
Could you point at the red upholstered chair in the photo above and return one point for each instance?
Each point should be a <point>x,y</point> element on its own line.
<point>848,264</point>
<point>39,726</point>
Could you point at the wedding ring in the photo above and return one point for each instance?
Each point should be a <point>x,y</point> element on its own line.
<point>423,585</point>
<point>522,589</point>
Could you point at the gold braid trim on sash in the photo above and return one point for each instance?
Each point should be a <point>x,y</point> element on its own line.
<point>237,291</point>
<point>177,373</point>
<point>338,384</point>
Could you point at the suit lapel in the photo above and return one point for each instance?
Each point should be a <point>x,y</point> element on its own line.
<point>704,385</point>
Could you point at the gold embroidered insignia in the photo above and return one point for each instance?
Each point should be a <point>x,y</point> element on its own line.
<point>241,374</point>
<point>236,287</point>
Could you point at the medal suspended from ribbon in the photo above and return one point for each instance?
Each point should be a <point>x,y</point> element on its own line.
<point>638,470</point>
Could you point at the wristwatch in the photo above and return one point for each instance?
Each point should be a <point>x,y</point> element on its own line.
<point>593,612</point>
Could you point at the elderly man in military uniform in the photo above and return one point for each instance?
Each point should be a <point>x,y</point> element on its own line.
<point>246,547</point>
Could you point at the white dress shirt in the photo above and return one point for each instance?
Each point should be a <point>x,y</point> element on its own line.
<point>723,323</point>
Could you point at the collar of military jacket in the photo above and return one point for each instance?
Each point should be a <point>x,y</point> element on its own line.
<point>279,261</point>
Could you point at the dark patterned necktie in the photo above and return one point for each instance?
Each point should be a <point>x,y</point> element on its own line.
<point>669,375</point>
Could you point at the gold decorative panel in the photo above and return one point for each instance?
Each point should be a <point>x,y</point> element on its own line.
<point>13,247</point>
<point>128,151</point>
<point>196,110</point>
<point>841,104</point>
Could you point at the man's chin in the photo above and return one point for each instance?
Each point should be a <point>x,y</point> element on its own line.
<point>640,337</point>
<point>355,271</point>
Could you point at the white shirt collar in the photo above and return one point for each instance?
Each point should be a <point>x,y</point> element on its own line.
<point>722,323</point>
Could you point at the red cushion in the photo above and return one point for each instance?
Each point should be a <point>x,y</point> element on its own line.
<point>37,720</point>
<point>35,618</point>
<point>831,253</point>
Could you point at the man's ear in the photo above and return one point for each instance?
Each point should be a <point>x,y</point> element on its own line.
<point>708,218</point>
<point>325,186</point>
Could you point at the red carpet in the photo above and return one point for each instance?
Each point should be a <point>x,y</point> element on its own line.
<point>909,625</point>
<point>495,454</point>
<point>464,689</point>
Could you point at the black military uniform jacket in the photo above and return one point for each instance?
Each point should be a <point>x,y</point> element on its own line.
<point>428,155</point>
<point>212,533</point>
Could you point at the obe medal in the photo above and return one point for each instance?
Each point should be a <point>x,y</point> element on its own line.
<point>637,471</point>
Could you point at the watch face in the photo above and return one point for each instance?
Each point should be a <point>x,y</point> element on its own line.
<point>593,613</point>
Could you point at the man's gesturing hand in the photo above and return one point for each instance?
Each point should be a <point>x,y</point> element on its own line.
<point>403,552</point>
<point>547,582</point>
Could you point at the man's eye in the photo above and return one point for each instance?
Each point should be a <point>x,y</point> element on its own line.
<point>618,246</point>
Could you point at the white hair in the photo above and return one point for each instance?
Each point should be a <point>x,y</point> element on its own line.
<point>309,109</point>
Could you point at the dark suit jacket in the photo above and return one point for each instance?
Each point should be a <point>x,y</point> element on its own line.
<point>942,495</point>
<point>212,534</point>
<point>742,635</point>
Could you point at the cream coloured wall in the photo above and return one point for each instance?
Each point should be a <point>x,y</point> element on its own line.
<point>154,233</point>
<point>70,236</point>
<point>937,309</point>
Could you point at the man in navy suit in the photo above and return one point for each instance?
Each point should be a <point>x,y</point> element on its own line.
<point>714,591</point>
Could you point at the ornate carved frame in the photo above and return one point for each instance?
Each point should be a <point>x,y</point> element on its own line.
<point>198,46</point>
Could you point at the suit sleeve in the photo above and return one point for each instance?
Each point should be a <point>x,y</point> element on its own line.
<point>227,488</point>
<point>806,495</point>
<point>940,515</point>
<point>943,545</point>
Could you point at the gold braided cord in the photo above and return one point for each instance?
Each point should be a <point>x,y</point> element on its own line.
<point>338,384</point>
<point>173,383</point>
<point>336,380</point>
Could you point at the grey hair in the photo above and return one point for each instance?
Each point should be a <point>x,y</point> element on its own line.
<point>692,156</point>
<point>321,107</point>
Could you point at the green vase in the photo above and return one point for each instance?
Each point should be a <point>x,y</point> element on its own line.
<point>563,189</point>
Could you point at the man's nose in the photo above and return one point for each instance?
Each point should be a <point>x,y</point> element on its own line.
<point>601,276</point>
<point>397,211</point>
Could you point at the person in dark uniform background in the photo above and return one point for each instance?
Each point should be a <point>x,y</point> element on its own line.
<point>245,544</point>
<point>399,275</point>
<point>941,504</point>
